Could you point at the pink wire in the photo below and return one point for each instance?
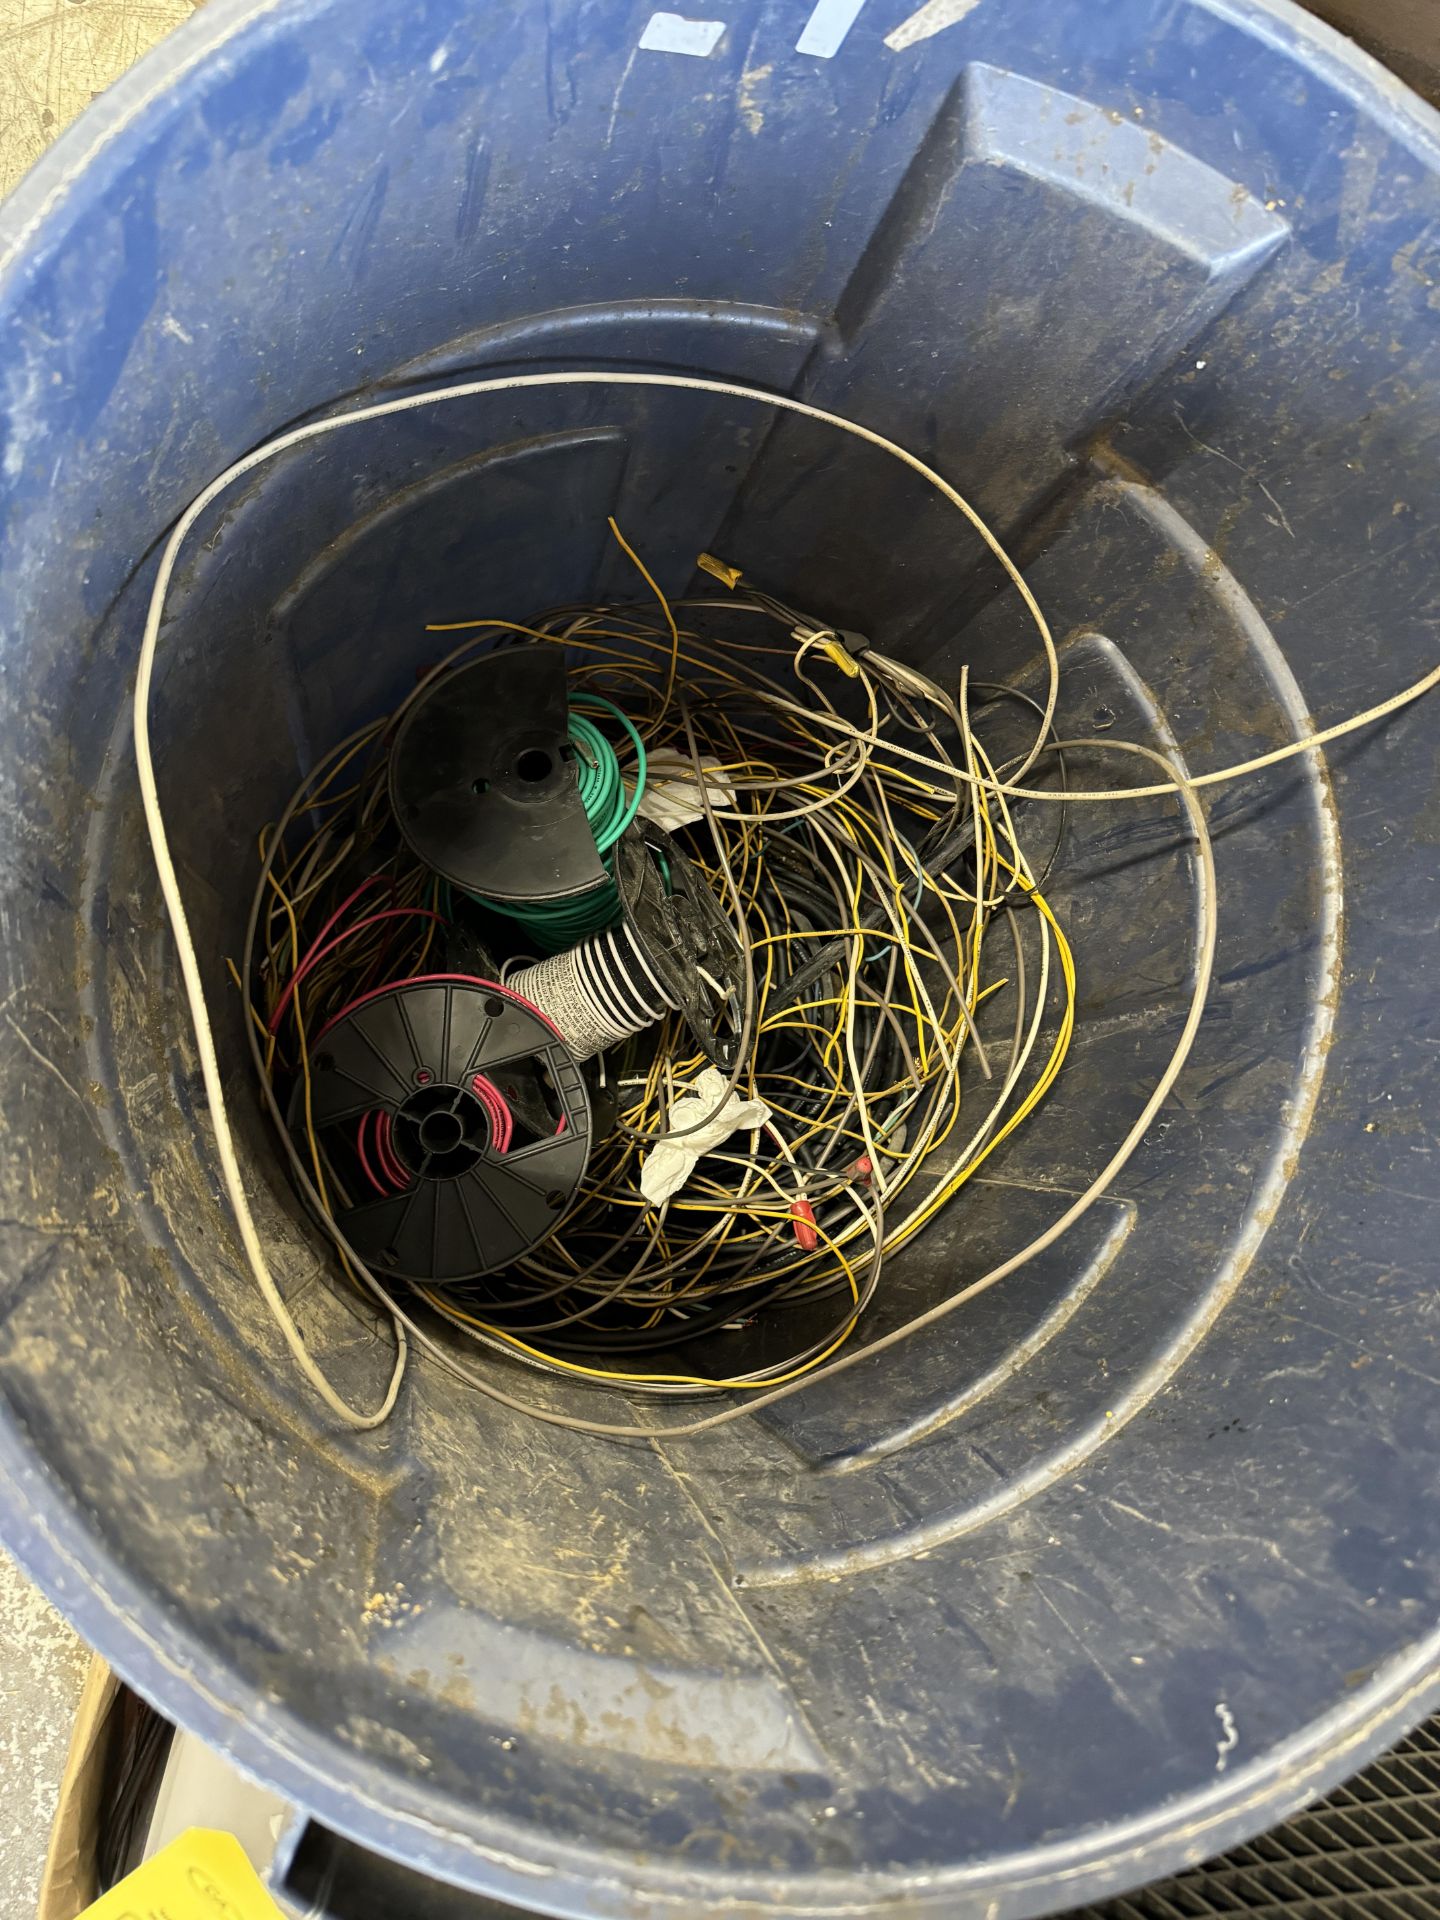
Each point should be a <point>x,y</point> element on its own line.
<point>317,954</point>
<point>365,1119</point>
<point>486,1095</point>
<point>390,1160</point>
<point>497,1111</point>
<point>344,907</point>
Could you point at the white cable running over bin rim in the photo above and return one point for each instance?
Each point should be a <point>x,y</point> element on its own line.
<point>190,966</point>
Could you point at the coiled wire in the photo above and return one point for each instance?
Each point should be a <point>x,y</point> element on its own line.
<point>551,926</point>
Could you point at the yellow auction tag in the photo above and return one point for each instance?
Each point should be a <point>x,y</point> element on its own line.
<point>200,1876</point>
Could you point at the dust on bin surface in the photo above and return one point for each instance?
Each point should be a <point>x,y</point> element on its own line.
<point>1128,1562</point>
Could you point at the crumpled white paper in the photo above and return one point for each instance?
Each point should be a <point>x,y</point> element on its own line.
<point>670,1164</point>
<point>672,793</point>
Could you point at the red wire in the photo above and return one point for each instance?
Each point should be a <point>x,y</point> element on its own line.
<point>375,879</point>
<point>501,1119</point>
<point>389,1159</point>
<point>381,965</point>
<point>497,1111</point>
<point>317,954</point>
<point>365,1118</point>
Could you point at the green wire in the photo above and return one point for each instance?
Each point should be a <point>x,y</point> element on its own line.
<point>553,925</point>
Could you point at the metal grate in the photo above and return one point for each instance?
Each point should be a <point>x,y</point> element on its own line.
<point>1369,1852</point>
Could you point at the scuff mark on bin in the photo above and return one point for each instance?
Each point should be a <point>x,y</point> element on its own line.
<point>357,235</point>
<point>1229,1736</point>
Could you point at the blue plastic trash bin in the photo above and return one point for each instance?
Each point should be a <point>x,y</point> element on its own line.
<point>1132,1558</point>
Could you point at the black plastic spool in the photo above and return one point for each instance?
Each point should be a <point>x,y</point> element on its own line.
<point>453,1205</point>
<point>483,785</point>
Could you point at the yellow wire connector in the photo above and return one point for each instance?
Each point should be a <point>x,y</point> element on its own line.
<point>720,570</point>
<point>832,644</point>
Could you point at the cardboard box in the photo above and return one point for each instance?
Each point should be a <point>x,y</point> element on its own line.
<point>70,1882</point>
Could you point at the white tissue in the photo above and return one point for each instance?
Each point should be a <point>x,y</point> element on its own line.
<point>670,1163</point>
<point>672,793</point>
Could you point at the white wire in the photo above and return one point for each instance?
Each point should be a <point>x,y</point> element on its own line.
<point>775,815</point>
<point>1306,743</point>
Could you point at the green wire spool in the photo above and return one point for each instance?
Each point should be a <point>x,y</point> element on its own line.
<point>553,925</point>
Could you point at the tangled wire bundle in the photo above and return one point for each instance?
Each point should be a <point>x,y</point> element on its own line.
<point>867,895</point>
<point>866,845</point>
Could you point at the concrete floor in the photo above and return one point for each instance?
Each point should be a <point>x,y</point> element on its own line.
<point>56,55</point>
<point>42,1669</point>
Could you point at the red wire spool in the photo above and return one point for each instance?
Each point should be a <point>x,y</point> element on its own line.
<point>454,1124</point>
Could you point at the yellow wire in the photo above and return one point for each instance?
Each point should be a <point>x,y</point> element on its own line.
<point>771,775</point>
<point>669,1379</point>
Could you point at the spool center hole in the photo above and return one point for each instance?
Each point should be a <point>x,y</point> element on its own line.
<point>440,1132</point>
<point>534,764</point>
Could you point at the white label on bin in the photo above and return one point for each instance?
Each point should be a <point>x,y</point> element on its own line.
<point>932,18</point>
<point>673,33</point>
<point>825,30</point>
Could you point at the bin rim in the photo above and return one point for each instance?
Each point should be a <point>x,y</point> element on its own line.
<point>190,49</point>
<point>506,1861</point>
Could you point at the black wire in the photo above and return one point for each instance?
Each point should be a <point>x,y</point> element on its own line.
<point>142,1740</point>
<point>674,1332</point>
